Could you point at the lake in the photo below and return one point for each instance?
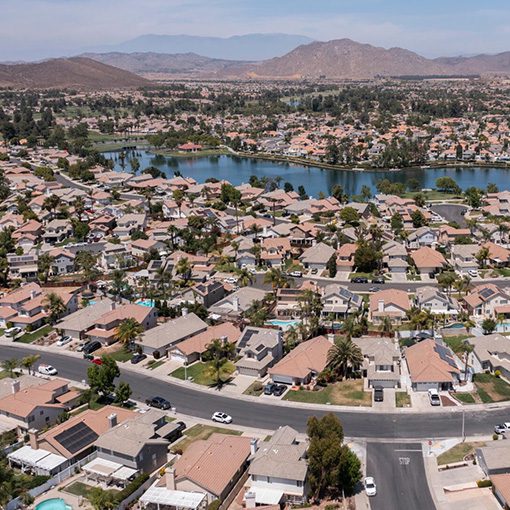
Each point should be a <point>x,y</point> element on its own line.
<point>238,170</point>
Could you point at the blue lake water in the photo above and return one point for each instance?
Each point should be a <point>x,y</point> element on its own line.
<point>238,170</point>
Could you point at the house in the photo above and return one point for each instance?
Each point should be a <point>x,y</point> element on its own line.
<point>463,257</point>
<point>428,261</point>
<point>37,407</point>
<point>259,349</point>
<point>115,256</point>
<point>317,257</point>
<point>436,302</point>
<point>235,304</point>
<point>207,293</point>
<point>493,458</point>
<point>382,361</point>
<point>486,300</point>
<point>162,495</point>
<point>501,488</point>
<point>128,223</point>
<point>498,255</point>
<point>278,470</point>
<point>431,366</point>
<point>158,341</point>
<point>448,235</point>
<point>301,364</point>
<point>105,327</point>
<point>191,349</point>
<point>142,247</point>
<point>422,236</point>
<point>490,353</point>
<point>212,466</point>
<point>339,301</point>
<point>391,303</point>
<point>345,257</point>
<point>23,266</point>
<point>63,261</point>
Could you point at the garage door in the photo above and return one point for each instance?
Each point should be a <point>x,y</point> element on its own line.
<point>281,379</point>
<point>177,356</point>
<point>383,384</point>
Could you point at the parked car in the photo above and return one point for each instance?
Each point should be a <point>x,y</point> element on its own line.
<point>434,398</point>
<point>296,274</point>
<point>12,332</point>
<point>91,346</point>
<point>47,370</point>
<point>269,388</point>
<point>314,270</point>
<point>473,273</point>
<point>221,417</point>
<point>279,390</point>
<point>137,358</point>
<point>97,361</point>
<point>370,487</point>
<point>359,279</point>
<point>373,289</point>
<point>231,280</point>
<point>379,280</point>
<point>158,403</point>
<point>181,426</point>
<point>64,340</point>
<point>378,394</point>
<point>81,346</point>
<point>502,428</point>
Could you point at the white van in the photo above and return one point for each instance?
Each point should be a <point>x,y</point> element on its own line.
<point>434,398</point>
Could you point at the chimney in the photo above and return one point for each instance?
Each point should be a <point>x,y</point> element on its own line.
<point>113,305</point>
<point>15,386</point>
<point>235,304</point>
<point>184,312</point>
<point>112,420</point>
<point>33,437</point>
<point>380,305</point>
<point>224,340</point>
<point>253,446</point>
<point>33,294</point>
<point>170,479</point>
<point>249,500</point>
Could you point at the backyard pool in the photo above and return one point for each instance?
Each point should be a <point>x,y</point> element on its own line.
<point>145,302</point>
<point>283,324</point>
<point>455,325</point>
<point>53,504</point>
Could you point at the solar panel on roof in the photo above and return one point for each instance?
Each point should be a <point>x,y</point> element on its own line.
<point>485,293</point>
<point>444,354</point>
<point>76,437</point>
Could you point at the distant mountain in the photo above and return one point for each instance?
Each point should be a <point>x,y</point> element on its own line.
<point>75,72</point>
<point>180,65</point>
<point>239,47</point>
<point>479,64</point>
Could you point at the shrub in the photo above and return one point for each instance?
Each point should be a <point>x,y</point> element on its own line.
<point>497,373</point>
<point>495,437</point>
<point>131,487</point>
<point>214,505</point>
<point>484,483</point>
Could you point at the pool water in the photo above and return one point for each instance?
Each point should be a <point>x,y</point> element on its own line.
<point>53,504</point>
<point>145,302</point>
<point>283,324</point>
<point>456,325</point>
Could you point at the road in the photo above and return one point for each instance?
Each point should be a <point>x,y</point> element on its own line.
<point>202,404</point>
<point>399,475</point>
<point>451,212</point>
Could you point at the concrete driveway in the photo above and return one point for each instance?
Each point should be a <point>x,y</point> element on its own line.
<point>388,404</point>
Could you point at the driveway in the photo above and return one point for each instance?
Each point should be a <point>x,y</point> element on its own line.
<point>400,477</point>
<point>388,404</point>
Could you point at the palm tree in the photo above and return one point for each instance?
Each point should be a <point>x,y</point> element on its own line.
<point>344,353</point>
<point>245,278</point>
<point>387,326</point>
<point>183,268</point>
<point>29,361</point>
<point>127,331</point>
<point>79,207</point>
<point>118,282</point>
<point>291,337</point>
<point>55,305</point>
<point>44,265</point>
<point>466,349</point>
<point>276,278</point>
<point>220,352</point>
<point>9,365</point>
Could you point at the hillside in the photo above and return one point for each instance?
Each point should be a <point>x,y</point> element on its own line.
<point>479,64</point>
<point>178,65</point>
<point>76,72</point>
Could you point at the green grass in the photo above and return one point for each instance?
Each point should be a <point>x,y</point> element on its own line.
<point>491,388</point>
<point>360,275</point>
<point>29,338</point>
<point>122,355</point>
<point>347,393</point>
<point>4,374</point>
<point>465,398</point>
<point>198,432</point>
<point>455,343</point>
<point>82,489</point>
<point>202,374</point>
<point>255,389</point>
<point>504,271</point>
<point>402,399</point>
<point>155,364</point>
<point>458,452</point>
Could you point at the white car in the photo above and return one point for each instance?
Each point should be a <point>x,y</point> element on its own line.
<point>64,340</point>
<point>12,332</point>
<point>221,417</point>
<point>296,274</point>
<point>47,370</point>
<point>473,273</point>
<point>502,428</point>
<point>370,487</point>
<point>231,280</point>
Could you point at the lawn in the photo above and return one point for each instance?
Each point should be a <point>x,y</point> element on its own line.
<point>344,393</point>
<point>455,343</point>
<point>402,399</point>
<point>82,489</point>
<point>458,452</point>
<point>122,355</point>
<point>201,373</point>
<point>28,338</point>
<point>198,432</point>
<point>491,388</point>
<point>465,398</point>
<point>255,389</point>
<point>3,374</point>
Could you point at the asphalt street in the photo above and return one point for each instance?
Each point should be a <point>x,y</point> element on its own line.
<point>399,475</point>
<point>451,212</point>
<point>202,404</point>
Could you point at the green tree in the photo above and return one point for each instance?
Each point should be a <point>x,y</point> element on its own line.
<point>418,219</point>
<point>87,262</point>
<point>397,223</point>
<point>122,392</point>
<point>446,279</point>
<point>127,331</point>
<point>220,353</point>
<point>488,326</point>
<point>29,361</point>
<point>343,355</point>
<point>10,365</point>
<point>350,216</point>
<point>482,255</point>
<point>183,269</point>
<point>331,266</point>
<point>101,499</point>
<point>447,185</point>
<point>276,278</point>
<point>101,378</point>
<point>55,304</point>
<point>366,257</point>
<point>44,265</point>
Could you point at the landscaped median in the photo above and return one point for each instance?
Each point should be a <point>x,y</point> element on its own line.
<point>344,393</point>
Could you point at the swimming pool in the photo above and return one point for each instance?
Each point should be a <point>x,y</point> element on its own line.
<point>145,302</point>
<point>53,504</point>
<point>283,324</point>
<point>455,325</point>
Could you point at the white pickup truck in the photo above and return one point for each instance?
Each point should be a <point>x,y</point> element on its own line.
<point>502,428</point>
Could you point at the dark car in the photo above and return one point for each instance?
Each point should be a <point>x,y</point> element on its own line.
<point>158,403</point>
<point>379,279</point>
<point>269,388</point>
<point>181,426</point>
<point>378,394</point>
<point>279,390</point>
<point>359,279</point>
<point>91,347</point>
<point>137,358</point>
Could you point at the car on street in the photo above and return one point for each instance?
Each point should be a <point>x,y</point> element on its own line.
<point>64,340</point>
<point>97,361</point>
<point>378,394</point>
<point>502,428</point>
<point>158,403</point>
<point>12,332</point>
<point>137,358</point>
<point>221,417</point>
<point>373,289</point>
<point>231,280</point>
<point>370,487</point>
<point>434,398</point>
<point>47,370</point>
<point>296,274</point>
<point>359,279</point>
<point>91,347</point>
<point>379,280</point>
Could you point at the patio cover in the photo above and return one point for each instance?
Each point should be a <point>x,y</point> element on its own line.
<point>177,499</point>
<point>266,496</point>
<point>101,467</point>
<point>27,456</point>
<point>124,473</point>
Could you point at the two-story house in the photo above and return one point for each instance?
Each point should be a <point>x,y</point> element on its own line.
<point>339,302</point>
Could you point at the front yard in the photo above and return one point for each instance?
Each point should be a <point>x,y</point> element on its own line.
<point>489,388</point>
<point>203,373</point>
<point>198,432</point>
<point>344,393</point>
<point>458,452</point>
<point>402,399</point>
<point>29,338</point>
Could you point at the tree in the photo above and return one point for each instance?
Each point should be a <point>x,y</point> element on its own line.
<point>386,326</point>
<point>51,203</point>
<point>366,257</point>
<point>183,269</point>
<point>276,278</point>
<point>342,355</point>
<point>29,361</point>
<point>10,365</point>
<point>350,216</point>
<point>127,331</point>
<point>333,468</point>
<point>220,352</point>
<point>397,223</point>
<point>488,326</point>
<point>366,192</point>
<point>418,219</point>
<point>101,499</point>
<point>55,304</point>
<point>447,185</point>
<point>44,265</point>
<point>466,349</point>
<point>331,266</point>
<point>86,261</point>
<point>122,392</point>
<point>492,188</point>
<point>482,256</point>
<point>446,279</point>
<point>101,377</point>
<point>244,277</point>
<point>337,191</point>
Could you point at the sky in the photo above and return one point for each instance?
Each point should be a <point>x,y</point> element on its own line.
<point>35,29</point>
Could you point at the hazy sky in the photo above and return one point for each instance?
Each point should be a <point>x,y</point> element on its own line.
<point>31,29</point>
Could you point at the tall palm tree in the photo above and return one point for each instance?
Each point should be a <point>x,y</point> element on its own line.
<point>467,349</point>
<point>276,278</point>
<point>220,353</point>
<point>291,338</point>
<point>183,268</point>
<point>9,365</point>
<point>386,326</point>
<point>44,265</point>
<point>127,331</point>
<point>245,278</point>
<point>342,355</point>
<point>29,361</point>
<point>55,304</point>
